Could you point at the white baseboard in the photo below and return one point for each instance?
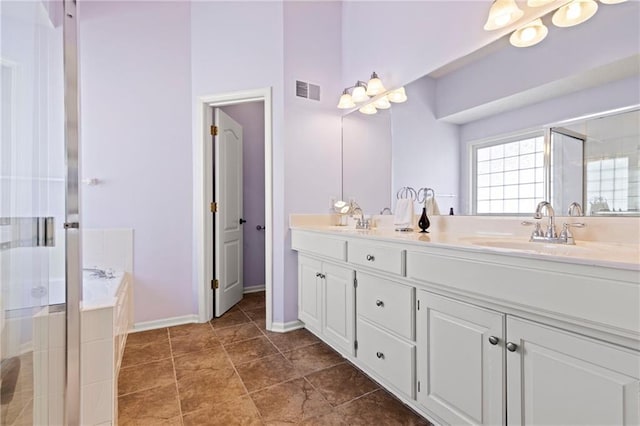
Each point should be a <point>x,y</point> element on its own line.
<point>254,289</point>
<point>283,327</point>
<point>163,323</point>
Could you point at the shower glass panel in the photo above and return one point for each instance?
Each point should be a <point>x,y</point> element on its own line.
<point>32,213</point>
<point>567,169</point>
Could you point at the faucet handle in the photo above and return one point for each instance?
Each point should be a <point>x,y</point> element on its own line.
<point>575,225</point>
<point>537,231</point>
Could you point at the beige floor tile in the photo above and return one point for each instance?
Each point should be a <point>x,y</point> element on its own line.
<point>341,383</point>
<point>252,301</point>
<point>229,319</point>
<point>290,402</point>
<point>191,330</point>
<point>208,390</point>
<point>145,353</point>
<point>286,342</point>
<point>203,362</point>
<point>149,336</point>
<point>149,407</point>
<point>308,359</point>
<point>379,408</point>
<point>238,333</point>
<point>238,412</point>
<point>200,341</point>
<point>250,350</point>
<point>266,371</point>
<point>146,376</point>
<point>256,314</point>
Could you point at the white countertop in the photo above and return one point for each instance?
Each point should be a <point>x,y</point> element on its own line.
<point>100,292</point>
<point>596,253</point>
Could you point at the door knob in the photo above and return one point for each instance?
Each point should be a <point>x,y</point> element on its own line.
<point>260,227</point>
<point>379,303</point>
<point>241,221</point>
<point>493,340</point>
<point>511,347</point>
<point>380,355</point>
<point>370,258</point>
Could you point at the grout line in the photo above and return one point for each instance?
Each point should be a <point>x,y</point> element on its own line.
<point>241,381</point>
<point>175,379</point>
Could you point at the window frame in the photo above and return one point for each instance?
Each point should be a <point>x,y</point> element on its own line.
<point>487,143</point>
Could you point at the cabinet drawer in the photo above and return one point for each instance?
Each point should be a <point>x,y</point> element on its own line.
<point>389,357</point>
<point>383,258</point>
<point>334,248</point>
<point>386,303</point>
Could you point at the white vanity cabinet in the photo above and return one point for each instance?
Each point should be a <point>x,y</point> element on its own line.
<point>461,360</point>
<point>326,301</point>
<point>477,337</point>
<point>558,377</point>
<point>385,330</point>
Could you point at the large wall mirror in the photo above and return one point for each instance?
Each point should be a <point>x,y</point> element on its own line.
<point>503,128</point>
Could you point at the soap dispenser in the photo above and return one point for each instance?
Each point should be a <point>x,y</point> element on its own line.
<point>424,223</point>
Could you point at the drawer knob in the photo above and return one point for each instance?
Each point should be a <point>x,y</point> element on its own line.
<point>379,303</point>
<point>511,347</point>
<point>380,355</point>
<point>318,274</point>
<point>370,258</point>
<point>493,340</point>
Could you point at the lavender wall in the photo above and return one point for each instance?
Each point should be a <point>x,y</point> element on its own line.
<point>251,117</point>
<point>136,138</point>
<point>312,46</point>
<point>247,38</point>
<point>404,40</point>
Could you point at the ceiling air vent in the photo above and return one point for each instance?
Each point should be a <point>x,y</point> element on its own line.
<point>307,90</point>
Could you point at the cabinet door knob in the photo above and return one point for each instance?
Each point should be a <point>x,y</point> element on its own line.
<point>370,258</point>
<point>379,303</point>
<point>511,347</point>
<point>318,274</point>
<point>493,340</point>
<point>380,355</point>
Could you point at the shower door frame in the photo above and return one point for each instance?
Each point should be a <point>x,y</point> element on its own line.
<point>73,234</point>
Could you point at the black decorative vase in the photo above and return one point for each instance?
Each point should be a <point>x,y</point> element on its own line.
<point>424,223</point>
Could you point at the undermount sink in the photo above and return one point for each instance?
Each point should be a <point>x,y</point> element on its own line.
<point>585,249</point>
<point>560,249</point>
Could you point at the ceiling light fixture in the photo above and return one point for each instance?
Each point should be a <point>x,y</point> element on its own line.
<point>375,86</point>
<point>531,34</point>
<point>382,103</point>
<point>361,92</point>
<point>346,101</point>
<point>368,109</point>
<point>538,3</point>
<point>502,13</point>
<point>574,13</point>
<point>505,12</point>
<point>397,96</point>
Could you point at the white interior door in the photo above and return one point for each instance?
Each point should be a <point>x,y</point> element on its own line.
<point>228,219</point>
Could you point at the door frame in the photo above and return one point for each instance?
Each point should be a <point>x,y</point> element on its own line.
<point>203,187</point>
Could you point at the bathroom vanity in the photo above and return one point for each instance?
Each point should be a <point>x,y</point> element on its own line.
<point>479,329</point>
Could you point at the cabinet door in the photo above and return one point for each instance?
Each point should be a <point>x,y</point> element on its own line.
<point>460,372</point>
<point>557,377</point>
<point>310,292</point>
<point>339,306</point>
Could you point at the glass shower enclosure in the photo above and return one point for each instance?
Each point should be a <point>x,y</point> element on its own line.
<point>39,232</point>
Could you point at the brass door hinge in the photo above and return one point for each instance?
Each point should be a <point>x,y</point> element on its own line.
<point>214,130</point>
<point>215,284</point>
<point>214,207</point>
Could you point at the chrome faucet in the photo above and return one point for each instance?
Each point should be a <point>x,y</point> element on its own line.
<point>551,235</point>
<point>545,207</point>
<point>362,223</point>
<point>575,209</point>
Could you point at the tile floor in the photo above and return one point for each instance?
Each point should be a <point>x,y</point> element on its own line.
<point>232,371</point>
